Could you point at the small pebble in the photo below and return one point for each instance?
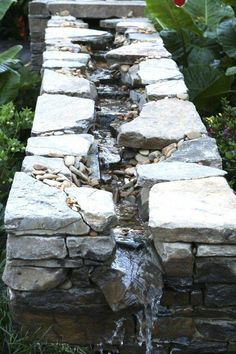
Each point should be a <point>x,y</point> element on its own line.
<point>93,233</point>
<point>154,155</point>
<point>69,160</point>
<point>38,172</point>
<point>52,183</point>
<point>142,159</point>
<point>39,167</point>
<point>130,171</point>
<point>66,285</point>
<point>144,152</point>
<point>167,151</point>
<point>193,135</point>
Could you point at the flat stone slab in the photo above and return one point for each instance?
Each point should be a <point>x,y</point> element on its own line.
<point>201,211</point>
<point>58,83</point>
<point>96,248</point>
<point>216,251</point>
<point>142,37</point>
<point>168,88</point>
<point>150,174</point>
<point>96,207</point>
<point>202,151</point>
<point>60,146</point>
<point>61,112</point>
<point>50,163</point>
<point>59,64</point>
<point>143,25</point>
<point>151,71</point>
<point>66,56</point>
<point>160,124</point>
<point>35,247</point>
<point>34,208</point>
<point>130,53</point>
<point>66,21</point>
<point>111,23</point>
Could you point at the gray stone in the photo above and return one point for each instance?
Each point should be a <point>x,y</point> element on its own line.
<point>142,25</point>
<point>96,207</point>
<point>66,21</point>
<point>158,124</point>
<point>66,56</point>
<point>201,211</point>
<point>50,163</point>
<point>111,23</point>
<point>130,53</point>
<point>142,37</point>
<point>216,270</point>
<point>177,258</point>
<point>57,83</point>
<point>220,295</point>
<point>217,330</point>
<point>216,251</point>
<point>169,88</point>
<point>143,203</point>
<point>34,208</point>
<point>202,151</point>
<point>60,112</point>
<point>64,45</point>
<point>150,174</point>
<point>32,278</point>
<point>35,247</point>
<point>152,71</point>
<point>49,263</point>
<point>58,64</point>
<point>98,248</point>
<point>60,146</point>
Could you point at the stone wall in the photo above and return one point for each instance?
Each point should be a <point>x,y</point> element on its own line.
<point>75,268</point>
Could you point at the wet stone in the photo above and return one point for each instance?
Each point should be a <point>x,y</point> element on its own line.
<point>59,64</point>
<point>169,88</point>
<point>216,270</point>
<point>66,56</point>
<point>205,211</point>
<point>98,248</point>
<point>142,37</point>
<point>143,203</point>
<point>150,174</point>
<point>60,112</point>
<point>202,151</point>
<point>220,295</point>
<point>130,53</point>
<point>50,163</point>
<point>158,124</point>
<point>51,215</point>
<point>216,251</point>
<point>220,330</point>
<point>60,146</point>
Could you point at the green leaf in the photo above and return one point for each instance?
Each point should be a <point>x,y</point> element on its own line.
<point>231,71</point>
<point>174,43</point>
<point>170,16</point>
<point>9,86</point>
<point>10,53</point>
<point>226,33</point>
<point>208,13</point>
<point>4,6</point>
<point>199,56</point>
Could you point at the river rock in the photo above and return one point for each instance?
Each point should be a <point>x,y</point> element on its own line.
<point>32,278</point>
<point>96,207</point>
<point>150,174</point>
<point>35,247</point>
<point>98,248</point>
<point>130,53</point>
<point>203,151</point>
<point>167,88</point>
<point>60,146</point>
<point>34,208</point>
<point>158,124</point>
<point>60,112</point>
<point>151,71</point>
<point>50,163</point>
<point>201,211</point>
<point>57,83</point>
<point>66,56</point>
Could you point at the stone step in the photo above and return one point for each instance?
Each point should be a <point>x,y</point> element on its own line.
<point>169,88</point>
<point>111,23</point>
<point>66,56</point>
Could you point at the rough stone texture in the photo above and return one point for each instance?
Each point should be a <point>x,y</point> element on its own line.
<point>60,146</point>
<point>111,23</point>
<point>142,37</point>
<point>50,163</point>
<point>32,278</point>
<point>171,88</point>
<point>144,25</point>
<point>130,53</point>
<point>34,208</point>
<point>57,83</point>
<point>49,263</point>
<point>200,211</point>
<point>202,151</point>
<point>58,64</point>
<point>158,124</point>
<point>66,56</point>
<point>150,174</point>
<point>151,71</point>
<point>218,330</point>
<point>177,258</point>
<point>216,270</point>
<point>218,295</point>
<point>66,21</point>
<point>35,247</point>
<point>60,112</point>
<point>143,203</point>
<point>216,251</point>
<point>96,207</point>
<point>97,248</point>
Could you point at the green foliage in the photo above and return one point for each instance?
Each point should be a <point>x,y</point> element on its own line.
<point>4,6</point>
<point>223,128</point>
<point>201,37</point>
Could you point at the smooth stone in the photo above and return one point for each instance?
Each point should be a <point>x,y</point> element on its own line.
<point>151,71</point>
<point>130,53</point>
<point>204,213</point>
<point>35,247</point>
<point>142,159</point>
<point>98,248</point>
<point>32,278</point>
<point>193,135</point>
<point>60,112</point>
<point>66,56</point>
<point>158,124</point>
<point>96,207</point>
<point>57,83</point>
<point>177,258</point>
<point>58,64</point>
<point>216,251</point>
<point>150,174</point>
<point>60,146</point>
<point>168,88</point>
<point>215,270</point>
<point>203,151</point>
<point>50,163</point>
<point>34,208</point>
<point>112,22</point>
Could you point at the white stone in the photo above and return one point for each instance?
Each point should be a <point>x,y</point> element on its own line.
<point>112,22</point>
<point>67,56</point>
<point>50,163</point>
<point>201,211</point>
<point>58,64</point>
<point>169,88</point>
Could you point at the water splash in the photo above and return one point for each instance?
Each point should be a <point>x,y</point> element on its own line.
<point>118,331</point>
